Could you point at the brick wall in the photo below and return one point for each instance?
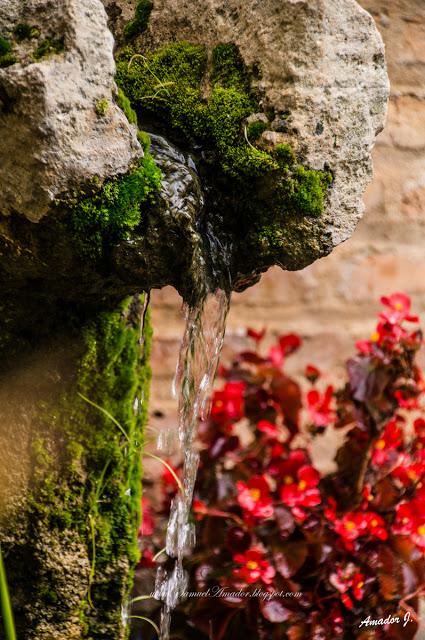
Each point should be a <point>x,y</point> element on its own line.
<point>334,301</point>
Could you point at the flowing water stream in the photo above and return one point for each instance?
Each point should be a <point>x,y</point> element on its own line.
<point>199,356</point>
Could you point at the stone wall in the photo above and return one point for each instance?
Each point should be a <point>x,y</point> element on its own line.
<point>334,301</point>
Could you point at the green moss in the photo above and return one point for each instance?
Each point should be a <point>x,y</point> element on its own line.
<point>169,86</point>
<point>124,104</point>
<point>7,60</point>
<point>94,498</point>
<point>308,190</point>
<point>101,107</point>
<point>104,216</point>
<point>6,57</point>
<point>228,69</point>
<point>144,140</point>
<point>24,31</point>
<point>137,26</point>
<point>255,129</point>
<point>48,47</point>
<point>285,155</point>
<point>5,46</point>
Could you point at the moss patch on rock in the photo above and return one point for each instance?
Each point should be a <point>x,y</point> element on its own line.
<point>140,22</point>
<point>7,58</point>
<point>48,47</point>
<point>204,100</point>
<point>73,565</point>
<point>101,216</point>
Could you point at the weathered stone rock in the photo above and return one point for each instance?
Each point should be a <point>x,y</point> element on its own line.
<point>59,123</point>
<point>321,68</point>
<point>318,68</point>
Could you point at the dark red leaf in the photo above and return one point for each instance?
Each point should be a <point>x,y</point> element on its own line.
<point>291,558</point>
<point>285,521</point>
<point>274,611</point>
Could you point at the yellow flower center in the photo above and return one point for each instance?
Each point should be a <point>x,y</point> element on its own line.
<point>251,565</point>
<point>302,485</point>
<point>421,530</point>
<point>419,445</point>
<point>374,337</point>
<point>350,525</point>
<point>380,444</point>
<point>219,403</point>
<point>288,480</point>
<point>405,520</point>
<point>412,474</point>
<point>255,494</point>
<point>398,306</point>
<point>374,523</point>
<point>360,585</point>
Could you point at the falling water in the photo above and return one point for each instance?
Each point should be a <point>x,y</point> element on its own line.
<point>199,356</point>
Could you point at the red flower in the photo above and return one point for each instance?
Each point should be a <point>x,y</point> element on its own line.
<point>289,343</point>
<point>228,404</point>
<point>258,336</point>
<point>312,373</point>
<point>419,426</point>
<point>168,479</point>
<point>285,346</point>
<point>254,497</point>
<point>355,524</point>
<point>300,480</point>
<point>147,559</point>
<point>330,510</point>
<point>347,578</point>
<point>398,309</point>
<point>410,520</point>
<point>407,398</point>
<point>367,496</point>
<point>254,567</point>
<point>270,430</point>
<point>147,526</point>
<point>388,443</point>
<point>408,472</point>
<point>319,407</point>
<point>351,526</point>
<point>375,526</point>
<point>200,509</point>
<point>364,346</point>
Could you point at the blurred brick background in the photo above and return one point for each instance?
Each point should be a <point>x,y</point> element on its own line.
<point>334,302</point>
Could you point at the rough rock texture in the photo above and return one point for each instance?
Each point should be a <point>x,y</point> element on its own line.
<point>58,120</point>
<point>322,69</point>
<point>70,482</point>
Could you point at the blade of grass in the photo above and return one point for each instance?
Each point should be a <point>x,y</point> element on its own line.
<point>170,469</point>
<point>151,622</point>
<point>140,598</point>
<point>107,414</point>
<point>6,607</point>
